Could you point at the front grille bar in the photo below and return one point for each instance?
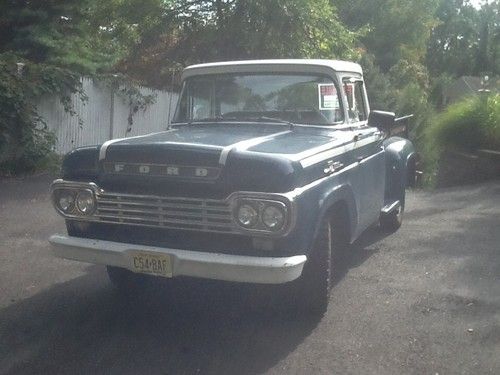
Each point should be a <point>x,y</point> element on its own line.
<point>165,212</point>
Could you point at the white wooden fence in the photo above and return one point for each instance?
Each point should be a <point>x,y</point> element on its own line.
<point>104,116</point>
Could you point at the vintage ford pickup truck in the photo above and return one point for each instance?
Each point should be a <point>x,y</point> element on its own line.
<point>268,170</point>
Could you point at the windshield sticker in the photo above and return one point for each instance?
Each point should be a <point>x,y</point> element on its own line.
<point>328,98</point>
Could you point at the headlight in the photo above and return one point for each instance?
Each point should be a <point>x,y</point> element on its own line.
<point>65,200</point>
<point>263,216</point>
<point>273,217</point>
<point>247,216</point>
<point>85,202</point>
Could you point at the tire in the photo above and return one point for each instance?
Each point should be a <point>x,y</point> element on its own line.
<point>311,291</point>
<point>392,221</point>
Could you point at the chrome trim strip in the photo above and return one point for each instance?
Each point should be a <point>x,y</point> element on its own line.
<point>162,221</point>
<point>338,140</point>
<point>211,265</point>
<point>246,144</point>
<point>325,155</point>
<point>391,207</point>
<point>157,205</point>
<point>105,145</point>
<point>143,196</point>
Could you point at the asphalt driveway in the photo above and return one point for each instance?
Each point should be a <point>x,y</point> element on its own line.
<point>424,300</point>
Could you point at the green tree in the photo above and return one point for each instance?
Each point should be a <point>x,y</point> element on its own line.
<point>398,30</point>
<point>201,31</point>
<point>56,42</point>
<point>53,32</point>
<point>466,40</point>
<point>453,43</point>
<point>488,53</point>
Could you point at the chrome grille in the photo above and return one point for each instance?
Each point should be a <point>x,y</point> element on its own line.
<point>165,212</point>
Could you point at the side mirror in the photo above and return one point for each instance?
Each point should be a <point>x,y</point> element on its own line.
<point>383,120</point>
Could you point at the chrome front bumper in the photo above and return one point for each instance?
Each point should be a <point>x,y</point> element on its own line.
<point>213,265</point>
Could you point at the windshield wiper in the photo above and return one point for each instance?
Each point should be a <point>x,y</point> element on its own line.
<point>232,118</point>
<point>271,119</point>
<point>213,119</point>
<point>275,119</point>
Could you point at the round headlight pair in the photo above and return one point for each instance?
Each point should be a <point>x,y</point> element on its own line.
<point>83,200</point>
<point>261,215</point>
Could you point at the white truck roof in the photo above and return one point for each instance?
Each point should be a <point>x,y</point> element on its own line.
<point>277,65</point>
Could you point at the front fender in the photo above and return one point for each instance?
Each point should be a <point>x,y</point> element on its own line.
<point>340,197</point>
<point>315,202</point>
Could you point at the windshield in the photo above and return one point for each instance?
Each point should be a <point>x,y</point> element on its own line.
<point>302,99</point>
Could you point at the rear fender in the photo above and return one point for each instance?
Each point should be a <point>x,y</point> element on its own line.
<point>400,158</point>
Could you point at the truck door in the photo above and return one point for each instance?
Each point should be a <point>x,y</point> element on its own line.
<point>368,176</point>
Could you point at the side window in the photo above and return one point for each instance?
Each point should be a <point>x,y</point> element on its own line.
<point>356,107</point>
<point>201,99</point>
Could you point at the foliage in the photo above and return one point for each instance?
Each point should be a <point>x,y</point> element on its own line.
<point>24,138</point>
<point>393,64</point>
<point>398,30</point>
<point>464,126</point>
<point>467,125</point>
<point>129,92</point>
<point>400,92</point>
<point>466,40</point>
<point>53,43</point>
<point>202,31</point>
<point>378,84</point>
<point>491,121</point>
<point>53,32</point>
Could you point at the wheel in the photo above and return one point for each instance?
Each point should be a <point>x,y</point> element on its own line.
<point>392,221</point>
<point>311,291</point>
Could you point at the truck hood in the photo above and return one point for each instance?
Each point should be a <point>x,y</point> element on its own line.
<point>217,157</point>
<point>186,145</point>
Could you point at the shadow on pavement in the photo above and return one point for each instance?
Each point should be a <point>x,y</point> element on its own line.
<point>83,326</point>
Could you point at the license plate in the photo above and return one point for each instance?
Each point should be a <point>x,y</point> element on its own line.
<point>153,264</point>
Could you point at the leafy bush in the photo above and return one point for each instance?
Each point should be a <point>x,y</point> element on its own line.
<point>492,122</point>
<point>465,126</point>
<point>26,144</point>
<point>398,92</point>
<point>25,141</point>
